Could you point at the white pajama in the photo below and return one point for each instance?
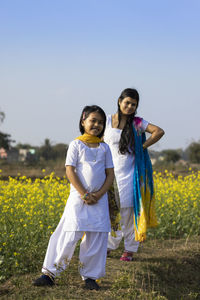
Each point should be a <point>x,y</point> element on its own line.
<point>127,232</point>
<point>92,255</point>
<point>124,165</point>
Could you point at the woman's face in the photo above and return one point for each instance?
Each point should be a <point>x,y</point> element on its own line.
<point>128,106</point>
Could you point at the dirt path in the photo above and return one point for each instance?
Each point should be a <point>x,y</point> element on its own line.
<point>168,269</point>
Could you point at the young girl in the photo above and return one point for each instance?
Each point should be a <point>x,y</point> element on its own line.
<point>89,169</point>
<point>122,132</point>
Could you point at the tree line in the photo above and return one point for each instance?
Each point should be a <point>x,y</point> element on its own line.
<point>47,151</point>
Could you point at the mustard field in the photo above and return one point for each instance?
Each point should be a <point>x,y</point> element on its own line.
<point>30,211</point>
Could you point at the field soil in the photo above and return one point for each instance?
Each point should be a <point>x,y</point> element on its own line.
<point>16,170</point>
<point>162,269</point>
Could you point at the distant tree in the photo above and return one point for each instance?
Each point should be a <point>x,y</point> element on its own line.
<point>46,151</point>
<point>2,116</point>
<point>171,155</point>
<point>5,140</point>
<point>23,146</point>
<point>194,152</point>
<point>60,150</point>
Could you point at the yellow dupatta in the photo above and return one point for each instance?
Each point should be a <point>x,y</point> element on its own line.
<point>88,138</point>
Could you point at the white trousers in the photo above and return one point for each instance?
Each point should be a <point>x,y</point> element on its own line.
<point>92,255</point>
<point>127,232</point>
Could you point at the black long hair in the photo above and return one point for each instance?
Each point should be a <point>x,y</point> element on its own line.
<point>85,114</point>
<point>126,142</point>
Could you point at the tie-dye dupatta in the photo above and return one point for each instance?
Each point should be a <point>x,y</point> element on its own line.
<point>144,198</point>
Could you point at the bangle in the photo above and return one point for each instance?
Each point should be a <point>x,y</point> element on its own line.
<point>85,195</point>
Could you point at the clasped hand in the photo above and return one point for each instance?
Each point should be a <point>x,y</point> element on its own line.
<point>92,198</point>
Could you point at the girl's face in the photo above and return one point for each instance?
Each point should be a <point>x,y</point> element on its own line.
<point>93,124</point>
<point>128,105</point>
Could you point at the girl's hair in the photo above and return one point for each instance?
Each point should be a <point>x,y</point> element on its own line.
<point>126,142</point>
<point>85,114</point>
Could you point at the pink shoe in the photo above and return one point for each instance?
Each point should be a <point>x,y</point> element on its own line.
<point>126,256</point>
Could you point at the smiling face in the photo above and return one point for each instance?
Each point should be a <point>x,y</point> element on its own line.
<point>128,106</point>
<point>94,124</point>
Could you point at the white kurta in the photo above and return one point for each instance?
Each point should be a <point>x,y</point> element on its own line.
<point>123,163</point>
<point>90,165</point>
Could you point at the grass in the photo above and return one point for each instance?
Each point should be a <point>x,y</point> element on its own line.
<point>162,269</point>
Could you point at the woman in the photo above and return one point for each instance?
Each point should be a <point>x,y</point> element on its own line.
<point>122,132</point>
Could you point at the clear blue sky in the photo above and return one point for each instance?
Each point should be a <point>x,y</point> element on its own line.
<point>58,56</point>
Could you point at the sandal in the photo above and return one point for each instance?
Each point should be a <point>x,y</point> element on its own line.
<point>44,280</point>
<point>126,256</point>
<point>90,284</point>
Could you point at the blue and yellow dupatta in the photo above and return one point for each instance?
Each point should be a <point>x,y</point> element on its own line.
<point>144,197</point>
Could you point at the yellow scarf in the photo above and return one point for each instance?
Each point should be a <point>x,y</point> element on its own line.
<point>88,138</point>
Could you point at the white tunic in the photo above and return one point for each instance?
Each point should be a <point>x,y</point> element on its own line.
<point>123,163</point>
<point>90,165</point>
